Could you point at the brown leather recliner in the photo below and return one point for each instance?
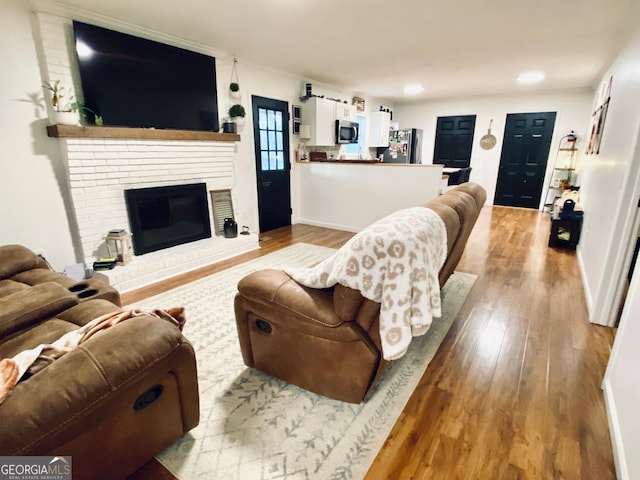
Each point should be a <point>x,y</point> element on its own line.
<point>112,402</point>
<point>327,340</point>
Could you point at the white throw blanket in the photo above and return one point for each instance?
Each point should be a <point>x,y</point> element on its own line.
<point>395,262</point>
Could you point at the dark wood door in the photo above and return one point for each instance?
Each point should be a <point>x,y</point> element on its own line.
<point>273,166</point>
<point>523,161</point>
<point>454,141</point>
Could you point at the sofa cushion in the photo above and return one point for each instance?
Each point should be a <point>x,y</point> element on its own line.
<point>51,330</point>
<point>36,276</point>
<point>8,286</point>
<point>25,308</point>
<point>41,333</point>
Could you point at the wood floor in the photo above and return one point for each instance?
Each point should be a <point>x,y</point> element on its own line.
<point>514,390</point>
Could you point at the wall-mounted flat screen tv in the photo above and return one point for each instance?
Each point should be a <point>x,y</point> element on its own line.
<point>135,82</point>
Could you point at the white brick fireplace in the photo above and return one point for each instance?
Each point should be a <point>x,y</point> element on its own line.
<point>101,169</point>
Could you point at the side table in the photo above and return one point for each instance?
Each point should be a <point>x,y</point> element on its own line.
<point>565,233</point>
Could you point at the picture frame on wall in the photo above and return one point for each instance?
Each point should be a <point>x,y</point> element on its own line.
<point>296,115</point>
<point>598,118</point>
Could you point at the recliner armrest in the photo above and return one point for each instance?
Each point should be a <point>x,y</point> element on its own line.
<point>277,287</point>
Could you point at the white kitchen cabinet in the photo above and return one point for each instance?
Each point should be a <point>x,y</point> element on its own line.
<point>320,115</point>
<point>379,124</point>
<point>344,111</point>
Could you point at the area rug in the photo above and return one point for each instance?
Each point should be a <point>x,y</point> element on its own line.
<point>255,427</point>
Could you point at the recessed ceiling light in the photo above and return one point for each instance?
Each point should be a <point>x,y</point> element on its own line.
<point>413,89</point>
<point>530,77</point>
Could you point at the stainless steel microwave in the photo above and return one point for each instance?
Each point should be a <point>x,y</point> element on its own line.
<point>346,131</point>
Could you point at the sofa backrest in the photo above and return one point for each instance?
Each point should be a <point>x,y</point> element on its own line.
<point>459,209</point>
<point>16,258</point>
<point>466,200</point>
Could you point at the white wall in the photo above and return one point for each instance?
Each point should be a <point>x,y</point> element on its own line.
<point>573,109</point>
<point>611,198</point>
<point>622,389</point>
<point>609,187</point>
<point>33,193</point>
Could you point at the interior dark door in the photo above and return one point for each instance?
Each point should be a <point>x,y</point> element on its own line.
<point>523,161</point>
<point>454,141</point>
<point>271,134</point>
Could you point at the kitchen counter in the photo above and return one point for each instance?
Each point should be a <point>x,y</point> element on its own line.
<point>350,195</point>
<point>332,160</point>
<point>369,161</point>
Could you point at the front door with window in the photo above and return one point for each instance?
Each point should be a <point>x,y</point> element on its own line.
<point>271,134</point>
<point>523,161</point>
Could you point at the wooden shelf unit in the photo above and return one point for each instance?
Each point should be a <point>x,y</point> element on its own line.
<point>565,155</point>
<point>90,131</point>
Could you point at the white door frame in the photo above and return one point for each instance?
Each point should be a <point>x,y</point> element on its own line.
<point>620,251</point>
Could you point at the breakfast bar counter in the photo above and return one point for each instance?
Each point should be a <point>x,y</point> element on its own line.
<point>351,194</point>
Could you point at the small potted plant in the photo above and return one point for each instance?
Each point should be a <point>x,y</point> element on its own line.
<point>63,114</point>
<point>83,109</point>
<point>237,113</point>
<point>234,90</point>
<point>229,126</point>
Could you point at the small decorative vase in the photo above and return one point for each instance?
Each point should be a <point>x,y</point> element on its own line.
<point>66,118</point>
<point>239,121</point>
<point>233,94</point>
<point>229,127</point>
<point>230,228</point>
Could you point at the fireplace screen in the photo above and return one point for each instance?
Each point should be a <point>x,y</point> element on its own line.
<point>163,217</point>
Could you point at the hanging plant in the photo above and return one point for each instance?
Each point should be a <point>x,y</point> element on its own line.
<point>234,86</point>
<point>237,110</point>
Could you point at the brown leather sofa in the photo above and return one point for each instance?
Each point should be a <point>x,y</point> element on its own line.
<point>114,401</point>
<point>327,340</point>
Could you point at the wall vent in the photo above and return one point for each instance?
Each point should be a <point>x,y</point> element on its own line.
<point>222,208</point>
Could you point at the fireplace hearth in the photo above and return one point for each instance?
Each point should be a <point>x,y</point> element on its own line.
<point>163,217</point>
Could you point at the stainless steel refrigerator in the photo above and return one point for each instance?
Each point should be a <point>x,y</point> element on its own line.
<point>405,146</point>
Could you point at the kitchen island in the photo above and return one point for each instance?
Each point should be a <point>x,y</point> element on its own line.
<point>350,195</point>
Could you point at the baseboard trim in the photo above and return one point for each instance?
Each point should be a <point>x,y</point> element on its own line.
<point>620,461</point>
<point>346,228</point>
<point>585,284</point>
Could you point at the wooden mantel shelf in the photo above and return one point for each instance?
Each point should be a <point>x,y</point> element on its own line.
<point>72,131</point>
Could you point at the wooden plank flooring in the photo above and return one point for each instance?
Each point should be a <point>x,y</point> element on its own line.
<point>514,390</point>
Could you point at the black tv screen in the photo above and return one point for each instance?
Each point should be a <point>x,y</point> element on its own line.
<point>134,82</point>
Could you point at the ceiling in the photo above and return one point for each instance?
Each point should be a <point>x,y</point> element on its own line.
<point>375,47</point>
